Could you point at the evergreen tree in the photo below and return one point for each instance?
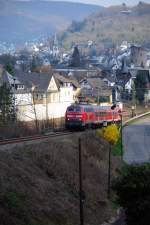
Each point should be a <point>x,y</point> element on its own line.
<point>75,62</point>
<point>7,105</point>
<point>141,85</point>
<point>8,61</point>
<point>9,68</point>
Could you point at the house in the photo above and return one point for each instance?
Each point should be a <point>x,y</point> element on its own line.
<point>125,81</point>
<point>109,79</point>
<point>134,71</point>
<point>95,88</point>
<point>76,88</point>
<point>138,55</point>
<point>40,96</point>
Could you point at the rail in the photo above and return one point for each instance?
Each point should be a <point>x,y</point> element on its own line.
<point>125,123</point>
<point>56,134</point>
<point>33,138</point>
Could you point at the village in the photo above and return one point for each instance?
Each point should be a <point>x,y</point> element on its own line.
<point>44,87</point>
<point>74,112</point>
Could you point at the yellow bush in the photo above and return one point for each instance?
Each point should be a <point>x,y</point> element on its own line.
<point>110,133</point>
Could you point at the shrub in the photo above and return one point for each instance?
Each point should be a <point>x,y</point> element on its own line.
<point>132,188</point>
<point>110,133</point>
<point>116,149</point>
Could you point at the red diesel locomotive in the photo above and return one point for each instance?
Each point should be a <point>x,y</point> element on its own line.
<point>86,115</point>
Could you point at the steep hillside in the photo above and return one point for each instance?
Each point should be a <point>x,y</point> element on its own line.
<point>24,20</point>
<point>112,25</point>
<point>39,184</point>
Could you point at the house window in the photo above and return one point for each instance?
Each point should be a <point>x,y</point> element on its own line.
<point>15,85</point>
<point>20,86</point>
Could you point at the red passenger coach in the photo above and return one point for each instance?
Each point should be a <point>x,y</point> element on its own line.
<point>84,115</point>
<point>104,114</point>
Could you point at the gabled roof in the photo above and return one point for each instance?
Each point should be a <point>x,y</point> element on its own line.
<point>96,92</point>
<point>42,80</point>
<point>75,83</point>
<point>62,79</point>
<point>7,78</point>
<point>39,80</point>
<point>95,82</point>
<point>98,88</point>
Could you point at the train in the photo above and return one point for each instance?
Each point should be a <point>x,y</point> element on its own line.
<point>87,115</point>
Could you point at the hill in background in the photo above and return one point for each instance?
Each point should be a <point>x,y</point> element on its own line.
<point>112,25</point>
<point>26,20</point>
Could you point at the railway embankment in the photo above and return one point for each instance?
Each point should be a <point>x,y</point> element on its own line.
<point>40,182</point>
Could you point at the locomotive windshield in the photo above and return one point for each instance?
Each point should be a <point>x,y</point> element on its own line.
<point>74,109</point>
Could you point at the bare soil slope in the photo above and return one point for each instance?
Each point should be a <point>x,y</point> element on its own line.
<point>39,183</point>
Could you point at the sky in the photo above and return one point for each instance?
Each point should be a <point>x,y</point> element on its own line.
<point>107,2</point>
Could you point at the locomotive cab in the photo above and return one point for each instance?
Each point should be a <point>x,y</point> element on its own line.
<point>79,116</point>
<point>74,116</point>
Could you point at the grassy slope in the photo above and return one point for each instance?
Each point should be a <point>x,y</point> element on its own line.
<point>39,183</point>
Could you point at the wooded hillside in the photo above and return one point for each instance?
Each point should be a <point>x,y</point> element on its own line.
<point>112,26</point>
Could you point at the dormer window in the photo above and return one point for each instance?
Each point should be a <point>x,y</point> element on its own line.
<point>20,86</point>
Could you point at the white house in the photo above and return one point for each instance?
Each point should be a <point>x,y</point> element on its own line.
<point>40,96</point>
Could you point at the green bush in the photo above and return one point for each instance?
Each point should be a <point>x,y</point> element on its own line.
<point>132,189</point>
<point>116,149</point>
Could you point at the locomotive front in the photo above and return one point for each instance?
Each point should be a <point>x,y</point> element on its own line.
<point>74,117</point>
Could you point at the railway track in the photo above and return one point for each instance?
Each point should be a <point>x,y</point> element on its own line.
<point>33,138</point>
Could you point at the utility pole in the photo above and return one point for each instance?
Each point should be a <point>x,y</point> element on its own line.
<point>80,185</point>
<point>121,131</point>
<point>133,108</point>
<point>34,110</point>
<point>15,97</point>
<point>109,171</point>
<point>46,108</point>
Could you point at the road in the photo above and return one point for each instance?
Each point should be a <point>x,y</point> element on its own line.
<point>136,141</point>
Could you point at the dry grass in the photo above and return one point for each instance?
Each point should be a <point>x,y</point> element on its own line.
<point>39,183</point>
